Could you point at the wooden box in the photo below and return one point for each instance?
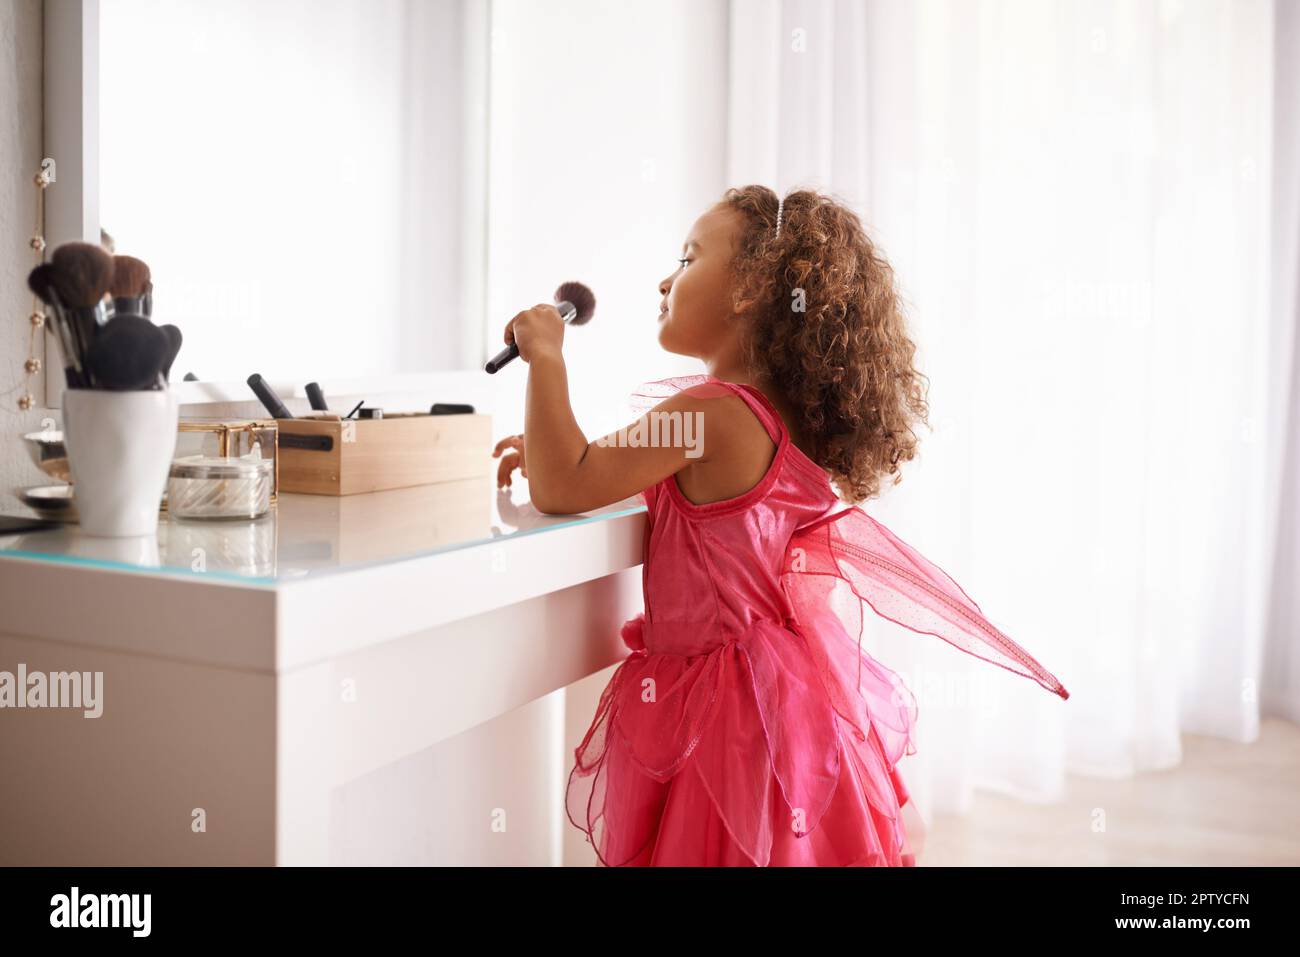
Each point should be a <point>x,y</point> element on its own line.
<point>344,457</point>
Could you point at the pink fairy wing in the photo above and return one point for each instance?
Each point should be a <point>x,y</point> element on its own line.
<point>649,394</point>
<point>898,583</point>
<point>862,691</point>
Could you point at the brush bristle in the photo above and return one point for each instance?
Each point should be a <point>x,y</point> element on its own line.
<point>583,299</point>
<point>41,282</point>
<point>174,340</point>
<point>82,274</point>
<point>128,353</point>
<point>130,277</point>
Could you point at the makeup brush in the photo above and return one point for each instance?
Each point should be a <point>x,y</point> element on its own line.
<point>131,280</point>
<point>41,282</point>
<point>316,397</point>
<point>269,398</point>
<point>83,273</point>
<point>174,340</point>
<point>127,353</point>
<point>576,303</point>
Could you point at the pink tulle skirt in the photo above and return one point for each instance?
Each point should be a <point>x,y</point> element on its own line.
<point>679,826</point>
<point>708,777</point>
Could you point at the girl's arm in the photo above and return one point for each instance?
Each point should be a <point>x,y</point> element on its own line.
<point>568,474</point>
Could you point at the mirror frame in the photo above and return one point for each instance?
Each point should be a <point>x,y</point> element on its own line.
<point>71,118</point>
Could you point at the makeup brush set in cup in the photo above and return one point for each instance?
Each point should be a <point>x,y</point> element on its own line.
<point>119,415</point>
<point>99,307</point>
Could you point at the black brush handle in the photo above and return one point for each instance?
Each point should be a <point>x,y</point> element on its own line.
<point>316,397</point>
<point>511,352</point>
<point>501,358</point>
<point>129,304</point>
<point>269,399</point>
<point>72,372</point>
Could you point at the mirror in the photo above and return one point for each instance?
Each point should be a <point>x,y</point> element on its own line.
<point>303,178</point>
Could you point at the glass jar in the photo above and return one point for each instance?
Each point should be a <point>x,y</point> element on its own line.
<point>221,487</point>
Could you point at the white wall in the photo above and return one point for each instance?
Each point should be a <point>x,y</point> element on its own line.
<point>20,158</point>
<point>608,135</point>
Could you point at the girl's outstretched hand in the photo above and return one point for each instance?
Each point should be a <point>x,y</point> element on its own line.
<point>510,460</point>
<point>537,331</point>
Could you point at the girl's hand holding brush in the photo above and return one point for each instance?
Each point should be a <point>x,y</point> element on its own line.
<point>534,329</point>
<point>538,331</point>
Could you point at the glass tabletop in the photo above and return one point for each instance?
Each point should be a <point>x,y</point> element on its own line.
<point>308,535</point>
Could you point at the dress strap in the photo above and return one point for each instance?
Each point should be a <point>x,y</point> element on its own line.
<point>761,406</point>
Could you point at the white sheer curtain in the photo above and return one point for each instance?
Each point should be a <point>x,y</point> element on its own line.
<point>1076,197</point>
<point>1281,690</point>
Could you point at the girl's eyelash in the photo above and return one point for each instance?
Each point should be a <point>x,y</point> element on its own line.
<point>683,261</point>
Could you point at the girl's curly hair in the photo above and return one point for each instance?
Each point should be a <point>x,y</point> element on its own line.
<point>824,327</point>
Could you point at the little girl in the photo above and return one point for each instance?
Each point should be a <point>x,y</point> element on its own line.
<point>746,726</point>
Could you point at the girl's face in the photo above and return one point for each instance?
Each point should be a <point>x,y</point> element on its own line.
<point>695,317</point>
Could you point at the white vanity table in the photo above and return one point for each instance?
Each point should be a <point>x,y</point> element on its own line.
<point>277,692</point>
<point>367,679</point>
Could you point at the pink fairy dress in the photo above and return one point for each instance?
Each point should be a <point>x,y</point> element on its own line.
<point>747,727</point>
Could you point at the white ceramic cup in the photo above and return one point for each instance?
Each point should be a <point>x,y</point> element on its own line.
<point>120,450</point>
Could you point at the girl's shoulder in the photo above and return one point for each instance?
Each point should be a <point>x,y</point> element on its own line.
<point>749,447</point>
<point>725,410</point>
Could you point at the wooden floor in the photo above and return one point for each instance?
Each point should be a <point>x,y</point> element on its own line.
<point>1225,805</point>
